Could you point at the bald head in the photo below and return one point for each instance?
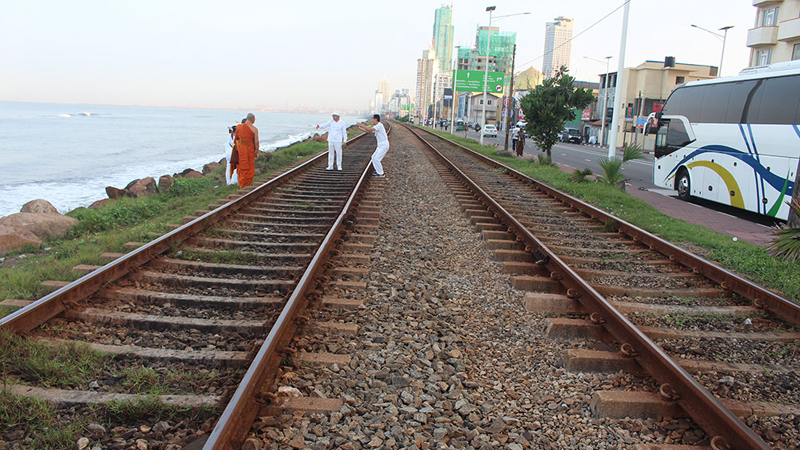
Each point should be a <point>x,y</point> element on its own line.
<point>251,117</point>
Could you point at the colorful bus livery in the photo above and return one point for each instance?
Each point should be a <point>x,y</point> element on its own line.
<point>733,140</point>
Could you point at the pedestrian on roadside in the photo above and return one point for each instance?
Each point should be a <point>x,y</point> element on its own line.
<point>478,128</point>
<point>337,137</point>
<point>514,138</point>
<point>383,143</point>
<point>520,142</point>
<point>246,137</point>
<point>231,177</point>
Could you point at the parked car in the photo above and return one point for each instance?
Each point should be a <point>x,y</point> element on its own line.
<point>572,135</point>
<point>490,131</point>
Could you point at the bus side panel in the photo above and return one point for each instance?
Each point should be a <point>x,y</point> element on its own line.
<point>749,167</point>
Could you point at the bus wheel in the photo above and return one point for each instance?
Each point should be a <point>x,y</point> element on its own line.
<point>684,185</point>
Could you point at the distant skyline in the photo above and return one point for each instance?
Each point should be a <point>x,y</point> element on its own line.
<point>214,54</point>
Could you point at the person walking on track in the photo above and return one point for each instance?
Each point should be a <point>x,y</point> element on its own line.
<point>246,137</point>
<point>383,143</point>
<point>337,137</point>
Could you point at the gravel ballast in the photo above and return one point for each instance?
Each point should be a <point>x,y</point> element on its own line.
<point>446,356</point>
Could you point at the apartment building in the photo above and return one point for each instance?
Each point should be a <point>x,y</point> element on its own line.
<point>775,36</point>
<point>557,45</point>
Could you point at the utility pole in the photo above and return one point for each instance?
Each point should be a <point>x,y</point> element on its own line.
<point>511,104</point>
<point>636,120</point>
<point>618,97</point>
<point>486,71</point>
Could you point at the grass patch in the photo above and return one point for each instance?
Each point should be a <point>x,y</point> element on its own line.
<point>35,362</point>
<point>741,257</point>
<point>147,381</point>
<point>219,257</point>
<point>47,428</point>
<point>108,228</point>
<point>38,419</point>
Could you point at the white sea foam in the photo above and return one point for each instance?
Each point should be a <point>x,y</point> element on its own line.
<point>71,164</point>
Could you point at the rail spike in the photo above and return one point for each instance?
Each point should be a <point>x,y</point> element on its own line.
<point>668,392</point>
<point>596,318</point>
<point>719,443</point>
<point>628,351</point>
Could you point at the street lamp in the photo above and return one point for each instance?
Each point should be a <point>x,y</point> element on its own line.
<point>453,90</point>
<point>724,38</point>
<point>490,9</point>
<point>605,99</point>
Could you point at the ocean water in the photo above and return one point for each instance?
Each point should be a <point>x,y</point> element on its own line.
<point>68,154</point>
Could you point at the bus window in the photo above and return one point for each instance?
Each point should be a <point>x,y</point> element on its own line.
<point>673,105</point>
<point>739,94</point>
<point>753,104</point>
<point>692,103</point>
<point>715,103</point>
<point>779,100</point>
<point>671,136</point>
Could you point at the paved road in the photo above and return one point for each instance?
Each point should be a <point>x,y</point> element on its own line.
<point>734,222</point>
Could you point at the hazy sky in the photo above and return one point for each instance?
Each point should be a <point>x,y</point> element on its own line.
<point>328,54</point>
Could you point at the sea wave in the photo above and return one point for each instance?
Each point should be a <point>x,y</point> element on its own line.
<point>289,140</point>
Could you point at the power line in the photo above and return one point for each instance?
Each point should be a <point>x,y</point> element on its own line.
<point>577,35</point>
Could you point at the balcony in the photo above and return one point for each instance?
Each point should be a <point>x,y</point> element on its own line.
<point>765,2</point>
<point>761,36</point>
<point>789,29</point>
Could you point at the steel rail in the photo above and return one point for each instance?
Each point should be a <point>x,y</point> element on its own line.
<point>705,409</point>
<point>729,281</point>
<point>53,304</point>
<point>239,414</point>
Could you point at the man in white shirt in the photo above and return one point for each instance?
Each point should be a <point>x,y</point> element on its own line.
<point>383,143</point>
<point>337,136</point>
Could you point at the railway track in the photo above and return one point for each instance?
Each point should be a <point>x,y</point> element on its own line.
<point>200,316</point>
<point>718,348</point>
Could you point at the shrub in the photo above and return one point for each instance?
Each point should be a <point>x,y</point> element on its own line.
<point>786,244</point>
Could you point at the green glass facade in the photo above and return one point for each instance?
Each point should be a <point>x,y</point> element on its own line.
<point>443,37</point>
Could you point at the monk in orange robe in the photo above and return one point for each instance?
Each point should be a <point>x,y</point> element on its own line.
<point>246,139</point>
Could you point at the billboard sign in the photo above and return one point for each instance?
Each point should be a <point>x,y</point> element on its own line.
<point>586,114</point>
<point>472,81</point>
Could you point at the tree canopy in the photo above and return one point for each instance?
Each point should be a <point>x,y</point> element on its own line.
<point>551,105</point>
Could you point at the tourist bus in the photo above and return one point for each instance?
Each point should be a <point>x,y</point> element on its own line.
<point>732,140</point>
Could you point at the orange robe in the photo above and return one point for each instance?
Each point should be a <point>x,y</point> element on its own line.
<point>245,144</point>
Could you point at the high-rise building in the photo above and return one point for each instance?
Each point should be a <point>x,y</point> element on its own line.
<point>500,54</point>
<point>443,37</point>
<point>426,71</point>
<point>557,45</point>
<point>776,36</point>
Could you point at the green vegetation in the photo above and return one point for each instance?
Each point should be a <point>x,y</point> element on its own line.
<point>43,429</point>
<point>552,104</point>
<point>108,228</point>
<point>48,366</point>
<point>787,240</point>
<point>749,260</point>
<point>579,176</point>
<point>46,428</point>
<point>612,167</point>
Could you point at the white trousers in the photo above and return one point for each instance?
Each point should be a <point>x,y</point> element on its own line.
<point>377,157</point>
<point>334,152</point>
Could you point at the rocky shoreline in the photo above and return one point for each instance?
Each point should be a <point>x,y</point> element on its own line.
<point>39,221</point>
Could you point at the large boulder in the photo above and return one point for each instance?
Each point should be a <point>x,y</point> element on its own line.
<point>192,174</point>
<point>114,193</point>
<point>44,226</point>
<point>165,183</point>
<point>14,236</point>
<point>39,206</point>
<point>210,167</point>
<point>142,188</point>
<point>320,138</point>
<point>100,203</point>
